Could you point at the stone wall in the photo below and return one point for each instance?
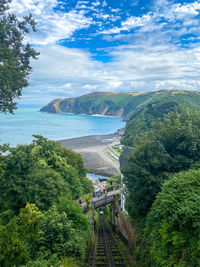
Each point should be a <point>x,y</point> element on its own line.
<point>123,225</point>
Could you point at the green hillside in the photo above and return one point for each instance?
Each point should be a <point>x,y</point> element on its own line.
<point>119,104</point>
<point>110,104</point>
<point>162,188</point>
<point>156,108</point>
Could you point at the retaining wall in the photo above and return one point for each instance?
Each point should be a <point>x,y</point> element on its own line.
<point>124,226</point>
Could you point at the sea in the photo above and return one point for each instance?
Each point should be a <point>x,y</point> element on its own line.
<point>27,120</point>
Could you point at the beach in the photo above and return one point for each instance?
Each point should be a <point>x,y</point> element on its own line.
<point>92,150</point>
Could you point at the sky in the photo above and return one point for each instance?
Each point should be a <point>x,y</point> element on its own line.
<point>111,46</point>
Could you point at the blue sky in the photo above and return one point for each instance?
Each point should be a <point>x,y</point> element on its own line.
<point>112,45</point>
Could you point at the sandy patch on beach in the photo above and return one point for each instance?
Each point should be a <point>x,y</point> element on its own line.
<point>92,148</point>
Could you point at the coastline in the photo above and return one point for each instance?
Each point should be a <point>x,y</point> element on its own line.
<point>83,114</point>
<point>105,116</point>
<point>92,148</point>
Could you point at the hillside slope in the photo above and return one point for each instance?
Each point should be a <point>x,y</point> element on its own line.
<point>142,120</point>
<point>110,104</point>
<point>120,104</point>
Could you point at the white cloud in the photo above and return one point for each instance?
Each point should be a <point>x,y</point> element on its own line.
<point>188,9</point>
<point>135,22</point>
<point>112,30</point>
<point>81,3</point>
<point>130,23</point>
<point>115,10</point>
<point>90,87</point>
<point>97,3</point>
<point>53,25</point>
<point>102,16</point>
<point>114,84</point>
<point>67,86</point>
<point>149,62</point>
<point>146,67</point>
<point>64,72</point>
<point>178,19</point>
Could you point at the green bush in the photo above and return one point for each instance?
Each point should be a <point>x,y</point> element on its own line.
<point>13,251</point>
<point>57,236</point>
<point>74,213</point>
<point>173,224</point>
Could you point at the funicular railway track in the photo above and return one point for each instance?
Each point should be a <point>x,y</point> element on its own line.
<point>106,252</point>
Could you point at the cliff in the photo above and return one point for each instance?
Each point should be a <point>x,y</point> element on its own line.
<point>120,104</point>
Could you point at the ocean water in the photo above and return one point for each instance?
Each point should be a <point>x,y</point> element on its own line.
<point>96,176</point>
<point>27,120</point>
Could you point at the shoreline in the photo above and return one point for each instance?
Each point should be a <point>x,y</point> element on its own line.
<point>92,148</point>
<point>83,114</point>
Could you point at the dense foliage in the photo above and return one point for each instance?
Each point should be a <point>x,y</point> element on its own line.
<point>52,228</point>
<point>142,120</point>
<point>163,190</point>
<point>39,173</point>
<point>15,56</point>
<point>171,146</point>
<point>155,109</point>
<point>173,224</point>
<point>49,237</point>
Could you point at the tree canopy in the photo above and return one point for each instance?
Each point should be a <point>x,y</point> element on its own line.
<point>41,223</point>
<point>39,173</point>
<point>171,146</point>
<point>35,238</point>
<point>15,56</point>
<point>173,228</point>
<point>162,184</point>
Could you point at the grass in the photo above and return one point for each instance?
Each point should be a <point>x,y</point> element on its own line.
<point>106,152</point>
<point>117,150</point>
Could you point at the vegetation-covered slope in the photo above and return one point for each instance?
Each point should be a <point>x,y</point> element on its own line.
<point>120,104</point>
<point>162,184</point>
<point>172,227</point>
<point>41,223</point>
<point>156,108</point>
<point>111,104</point>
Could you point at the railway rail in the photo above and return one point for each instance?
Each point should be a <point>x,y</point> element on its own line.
<point>106,252</point>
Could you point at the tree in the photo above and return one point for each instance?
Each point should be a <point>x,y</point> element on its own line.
<point>48,177</point>
<point>39,173</point>
<point>13,251</point>
<point>74,213</point>
<point>149,166</point>
<point>173,145</point>
<point>15,56</point>
<point>142,120</point>
<point>173,224</point>
<point>57,236</point>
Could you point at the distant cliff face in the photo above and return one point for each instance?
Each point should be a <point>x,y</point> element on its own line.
<point>109,104</point>
<point>119,104</point>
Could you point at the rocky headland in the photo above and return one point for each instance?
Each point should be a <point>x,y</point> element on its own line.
<point>122,105</point>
